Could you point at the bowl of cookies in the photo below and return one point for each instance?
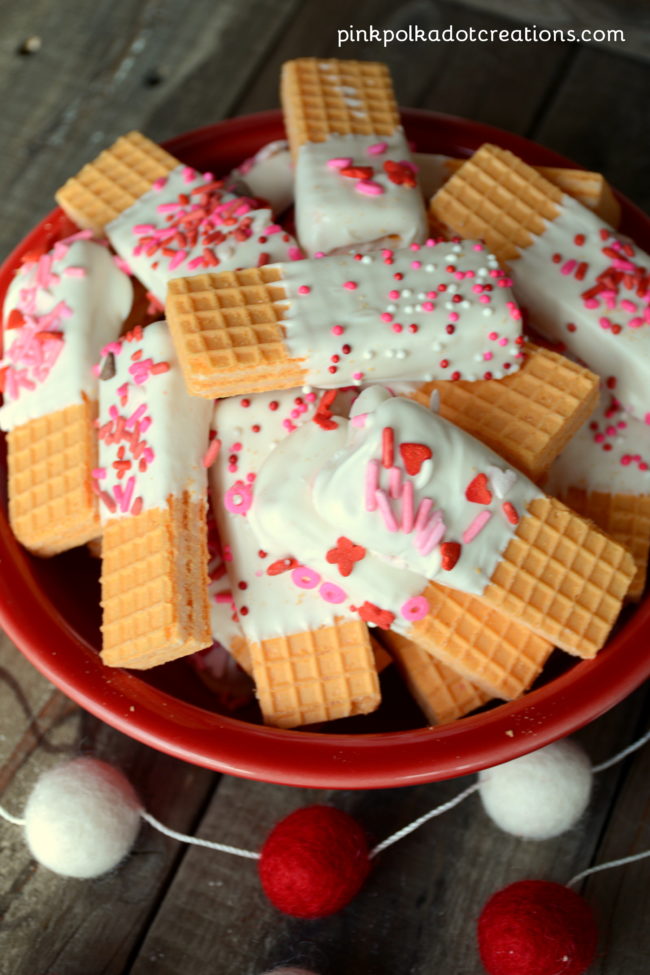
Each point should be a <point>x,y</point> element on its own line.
<point>327,460</point>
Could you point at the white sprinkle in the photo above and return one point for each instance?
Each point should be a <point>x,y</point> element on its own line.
<point>452,288</point>
<point>391,307</point>
<point>478,356</point>
<point>422,295</point>
<point>437,346</point>
<point>401,354</point>
<point>307,389</point>
<point>408,309</point>
<point>450,305</point>
<point>429,379</point>
<point>429,267</point>
<point>471,377</point>
<point>457,249</point>
<point>418,307</point>
<point>406,293</point>
<point>389,353</point>
<point>369,354</point>
<point>466,304</point>
<point>488,312</point>
<point>482,272</point>
<point>366,259</point>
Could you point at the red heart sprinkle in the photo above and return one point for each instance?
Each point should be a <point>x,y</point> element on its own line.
<point>478,491</point>
<point>450,554</point>
<point>15,319</point>
<point>510,512</point>
<point>414,456</point>
<point>370,613</point>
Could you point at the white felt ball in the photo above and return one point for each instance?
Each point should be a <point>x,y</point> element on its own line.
<point>539,795</point>
<point>82,818</point>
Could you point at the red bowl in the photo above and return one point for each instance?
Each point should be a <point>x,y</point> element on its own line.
<point>50,608</point>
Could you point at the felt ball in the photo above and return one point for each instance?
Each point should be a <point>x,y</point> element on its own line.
<point>538,795</point>
<point>314,862</point>
<point>82,818</point>
<point>535,927</point>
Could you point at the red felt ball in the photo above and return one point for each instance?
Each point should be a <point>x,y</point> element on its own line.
<point>535,927</point>
<point>314,862</point>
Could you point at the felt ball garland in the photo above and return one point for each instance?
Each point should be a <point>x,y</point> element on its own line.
<point>82,818</point>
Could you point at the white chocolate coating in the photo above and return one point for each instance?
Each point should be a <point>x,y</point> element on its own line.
<point>332,213</point>
<point>463,494</point>
<point>75,290</point>
<point>179,228</point>
<point>610,454</point>
<point>148,421</point>
<point>610,330</point>
<point>269,603</point>
<point>285,522</point>
<point>437,311</point>
<point>269,175</point>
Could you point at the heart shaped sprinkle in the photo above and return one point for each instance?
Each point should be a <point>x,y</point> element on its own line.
<point>478,491</point>
<point>450,554</point>
<point>414,456</point>
<point>16,319</point>
<point>502,481</point>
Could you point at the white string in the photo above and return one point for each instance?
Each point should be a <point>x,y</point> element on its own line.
<point>621,755</point>
<point>195,841</point>
<point>608,866</point>
<point>438,811</point>
<point>16,820</point>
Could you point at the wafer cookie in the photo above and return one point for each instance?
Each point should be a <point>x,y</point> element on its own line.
<point>59,311</point>
<point>337,321</point>
<point>527,418</point>
<point>311,657</point>
<point>171,220</point>
<point>151,484</point>
<point>467,522</point>
<point>441,693</point>
<point>114,181</point>
<point>582,284</point>
<point>604,475</point>
<point>590,189</point>
<point>493,651</point>
<point>355,180</point>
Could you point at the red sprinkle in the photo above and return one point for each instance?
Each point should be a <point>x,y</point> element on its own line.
<point>510,512</point>
<point>387,447</point>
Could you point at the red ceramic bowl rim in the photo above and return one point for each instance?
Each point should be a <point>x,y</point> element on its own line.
<point>302,758</point>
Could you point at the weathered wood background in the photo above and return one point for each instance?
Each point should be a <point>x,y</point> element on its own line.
<point>74,76</point>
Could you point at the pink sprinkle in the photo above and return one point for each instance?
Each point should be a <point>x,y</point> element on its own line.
<point>396,327</point>
<point>604,322</point>
<point>159,184</point>
<point>484,299</point>
<point>95,370</point>
<point>503,341</point>
<point>360,421</point>
<point>123,497</point>
<point>384,506</point>
<point>628,305</point>
<point>478,247</point>
<point>377,148</point>
<point>223,597</point>
<point>568,266</point>
<point>295,254</point>
<point>407,507</point>
<point>177,259</point>
<point>428,543</point>
<point>339,162</point>
<point>386,316</point>
<point>416,265</point>
<point>337,330</point>
<point>75,272</point>
<point>635,322</point>
<point>476,526</point>
<point>273,228</point>
<point>98,472</point>
<point>369,188</point>
<point>493,336</point>
<point>427,306</point>
<point>393,294</point>
<point>394,482</point>
<point>372,483</point>
<point>453,316</point>
<point>426,504</point>
<point>488,355</point>
<point>590,303</point>
<point>212,453</point>
<point>358,376</point>
<point>188,174</point>
<point>350,285</point>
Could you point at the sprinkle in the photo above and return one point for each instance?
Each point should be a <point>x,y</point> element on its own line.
<point>75,272</point>
<point>387,447</point>
<point>407,507</point>
<point>426,544</point>
<point>212,452</point>
<point>372,484</point>
<point>369,187</point>
<point>384,507</point>
<point>477,525</point>
<point>339,162</point>
<point>426,504</point>
<point>350,285</point>
<point>394,482</point>
<point>377,148</point>
<point>510,512</point>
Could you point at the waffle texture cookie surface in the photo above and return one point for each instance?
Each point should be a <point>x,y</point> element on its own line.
<point>497,197</point>
<point>315,104</point>
<point>113,182</point>
<point>528,417</point>
<point>52,506</point>
<point>441,693</point>
<point>227,333</point>
<point>317,675</point>
<point>562,577</point>
<point>625,518</point>
<point>155,585</point>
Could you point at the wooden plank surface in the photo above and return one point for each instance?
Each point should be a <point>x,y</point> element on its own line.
<point>167,67</point>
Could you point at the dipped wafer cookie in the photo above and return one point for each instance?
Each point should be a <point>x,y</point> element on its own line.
<point>268,175</point>
<point>311,657</point>
<point>590,189</point>
<point>166,219</point>
<point>355,180</point>
<point>457,517</point>
<point>499,654</point>
<point>442,310</point>
<point>60,309</point>
<point>583,285</point>
<point>151,484</point>
<point>441,693</point>
<point>528,417</point>
<point>604,474</point>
